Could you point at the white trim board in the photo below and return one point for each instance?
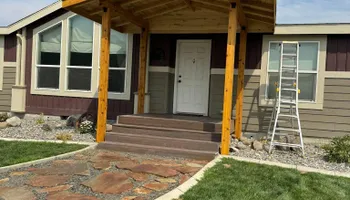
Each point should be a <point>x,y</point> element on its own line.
<point>247,72</point>
<point>164,69</point>
<point>337,74</point>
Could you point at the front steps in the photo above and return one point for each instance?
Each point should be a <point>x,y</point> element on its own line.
<point>168,135</point>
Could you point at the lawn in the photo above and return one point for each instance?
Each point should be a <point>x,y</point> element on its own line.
<point>232,179</point>
<point>18,152</point>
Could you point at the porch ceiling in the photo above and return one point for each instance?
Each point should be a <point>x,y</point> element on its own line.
<point>178,16</point>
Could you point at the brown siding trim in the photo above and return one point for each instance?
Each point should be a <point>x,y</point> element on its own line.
<point>10,47</point>
<point>338,53</point>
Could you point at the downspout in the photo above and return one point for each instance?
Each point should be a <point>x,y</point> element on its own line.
<point>18,59</point>
<point>21,62</point>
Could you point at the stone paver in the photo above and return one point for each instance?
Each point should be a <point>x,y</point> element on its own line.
<point>4,180</point>
<point>48,180</point>
<point>101,165</point>
<point>166,180</point>
<point>167,163</point>
<point>110,183</point>
<point>156,186</point>
<point>126,164</point>
<point>108,157</point>
<point>68,167</point>
<point>142,190</point>
<point>16,193</point>
<point>183,178</point>
<point>19,173</point>
<point>138,176</point>
<point>187,169</point>
<point>69,196</point>
<point>155,169</point>
<point>54,189</point>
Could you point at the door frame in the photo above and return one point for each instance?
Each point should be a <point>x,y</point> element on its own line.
<point>178,43</point>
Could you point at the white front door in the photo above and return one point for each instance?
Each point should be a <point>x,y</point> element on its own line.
<point>192,77</point>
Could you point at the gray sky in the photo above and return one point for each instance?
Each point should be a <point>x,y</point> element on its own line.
<point>288,11</point>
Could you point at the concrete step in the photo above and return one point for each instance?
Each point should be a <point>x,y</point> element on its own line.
<point>189,123</point>
<point>167,132</point>
<point>159,141</point>
<point>164,151</point>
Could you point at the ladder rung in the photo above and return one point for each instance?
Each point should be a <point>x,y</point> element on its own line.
<point>278,134</point>
<point>287,129</point>
<point>288,78</point>
<point>289,66</point>
<point>286,144</point>
<point>289,54</point>
<point>288,102</point>
<point>291,116</point>
<point>289,89</point>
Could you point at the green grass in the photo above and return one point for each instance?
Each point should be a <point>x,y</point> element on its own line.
<point>15,152</point>
<point>248,181</point>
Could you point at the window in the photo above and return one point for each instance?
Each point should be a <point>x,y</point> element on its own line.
<point>81,31</point>
<point>118,62</point>
<point>308,68</point>
<point>49,57</point>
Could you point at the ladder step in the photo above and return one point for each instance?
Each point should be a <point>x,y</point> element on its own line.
<point>289,54</point>
<point>289,89</point>
<point>289,66</point>
<point>288,78</point>
<point>291,116</point>
<point>287,129</point>
<point>286,144</point>
<point>278,134</point>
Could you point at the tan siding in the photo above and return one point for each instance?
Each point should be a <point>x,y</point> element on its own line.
<point>159,85</point>
<point>5,93</point>
<point>333,120</point>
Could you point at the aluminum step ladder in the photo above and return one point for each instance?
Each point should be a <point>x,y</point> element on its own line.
<point>285,120</point>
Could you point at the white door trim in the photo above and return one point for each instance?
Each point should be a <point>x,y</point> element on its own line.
<point>209,42</point>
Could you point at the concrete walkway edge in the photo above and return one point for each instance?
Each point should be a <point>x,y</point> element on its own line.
<point>35,162</point>
<point>177,192</point>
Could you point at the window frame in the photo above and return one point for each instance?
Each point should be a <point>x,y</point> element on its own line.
<point>299,71</point>
<point>63,82</point>
<point>321,66</point>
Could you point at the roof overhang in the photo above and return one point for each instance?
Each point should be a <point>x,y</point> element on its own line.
<point>312,29</point>
<point>131,15</point>
<point>31,18</point>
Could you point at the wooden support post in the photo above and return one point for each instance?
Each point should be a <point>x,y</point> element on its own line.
<point>240,82</point>
<point>229,71</point>
<point>104,70</point>
<point>142,71</point>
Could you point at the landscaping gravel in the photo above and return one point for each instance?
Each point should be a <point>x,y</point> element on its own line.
<point>31,129</point>
<point>314,157</point>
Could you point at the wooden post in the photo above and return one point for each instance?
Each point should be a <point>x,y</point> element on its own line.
<point>230,57</point>
<point>142,71</point>
<point>240,82</point>
<point>104,70</point>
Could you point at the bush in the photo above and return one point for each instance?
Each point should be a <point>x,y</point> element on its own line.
<point>86,127</point>
<point>338,150</point>
<point>64,137</point>
<point>3,117</point>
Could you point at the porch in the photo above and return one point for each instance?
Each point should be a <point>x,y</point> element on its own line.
<point>199,16</point>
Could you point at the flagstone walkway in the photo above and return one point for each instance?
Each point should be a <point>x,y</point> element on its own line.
<point>97,174</point>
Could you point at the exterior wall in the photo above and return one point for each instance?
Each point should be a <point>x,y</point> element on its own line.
<point>9,78</point>
<point>160,89</point>
<point>10,47</point>
<point>338,53</point>
<point>64,106</point>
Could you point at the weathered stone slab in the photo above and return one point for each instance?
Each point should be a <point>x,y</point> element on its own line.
<point>54,189</point>
<point>19,173</point>
<point>65,167</point>
<point>48,180</point>
<point>142,190</point>
<point>69,196</point>
<point>4,180</point>
<point>166,180</point>
<point>110,183</point>
<point>155,169</point>
<point>108,157</point>
<point>126,164</point>
<point>16,193</point>
<point>187,169</point>
<point>138,176</point>
<point>101,165</point>
<point>183,178</point>
<point>156,186</point>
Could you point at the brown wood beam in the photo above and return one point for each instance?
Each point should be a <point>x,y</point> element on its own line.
<point>257,5</point>
<point>211,7</point>
<point>142,71</point>
<point>241,16</point>
<point>260,13</point>
<point>221,4</point>
<point>104,71</point>
<point>189,4</point>
<point>130,2</point>
<point>240,82</point>
<point>153,5</point>
<point>229,71</point>
<point>125,14</point>
<point>261,19</point>
<point>70,3</point>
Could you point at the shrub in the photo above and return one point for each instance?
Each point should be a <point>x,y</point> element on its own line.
<point>64,137</point>
<point>86,127</point>
<point>338,150</point>
<point>40,119</point>
<point>3,117</point>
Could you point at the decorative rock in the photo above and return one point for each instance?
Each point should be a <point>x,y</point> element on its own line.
<point>283,139</point>
<point>4,180</point>
<point>109,183</point>
<point>129,198</point>
<point>138,176</point>
<point>3,125</point>
<point>234,149</point>
<point>241,146</point>
<point>109,127</point>
<point>18,193</point>
<point>67,195</point>
<point>156,186</point>
<point>266,147</point>
<point>257,145</point>
<point>46,127</point>
<point>101,165</point>
<point>72,120</point>
<point>194,165</point>
<point>141,190</point>
<point>48,181</point>
<point>166,180</point>
<point>19,173</point>
<point>183,178</point>
<point>54,189</point>
<point>14,121</point>
<point>246,141</point>
<point>187,170</point>
<point>126,164</point>
<point>156,170</point>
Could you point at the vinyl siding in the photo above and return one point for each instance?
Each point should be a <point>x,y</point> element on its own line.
<point>161,89</point>
<point>6,92</point>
